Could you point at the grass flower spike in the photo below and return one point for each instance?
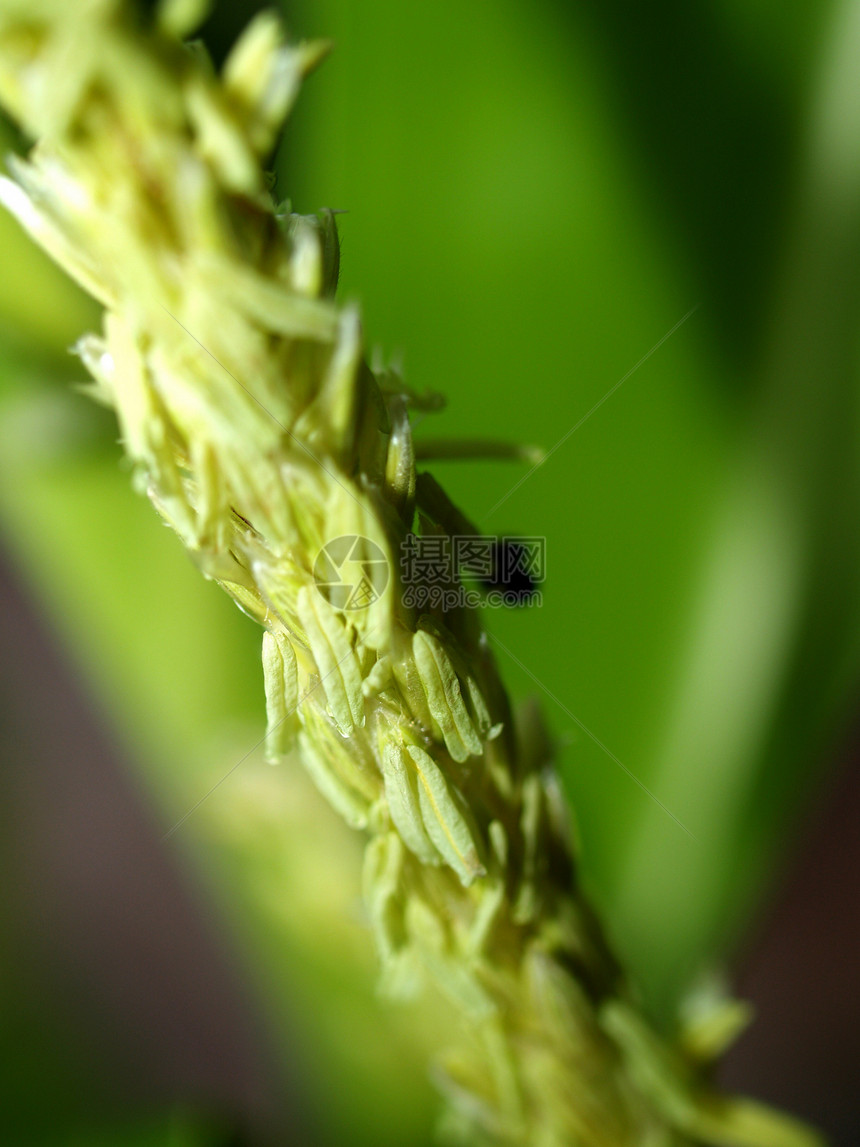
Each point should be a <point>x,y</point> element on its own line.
<point>262,437</point>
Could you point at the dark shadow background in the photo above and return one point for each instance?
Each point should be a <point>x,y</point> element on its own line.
<point>119,990</point>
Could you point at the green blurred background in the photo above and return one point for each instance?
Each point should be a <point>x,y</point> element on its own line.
<point>535,195</point>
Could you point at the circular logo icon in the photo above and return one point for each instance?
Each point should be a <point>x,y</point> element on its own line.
<point>351,572</point>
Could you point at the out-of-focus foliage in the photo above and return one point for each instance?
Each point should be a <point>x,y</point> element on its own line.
<point>536,194</point>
